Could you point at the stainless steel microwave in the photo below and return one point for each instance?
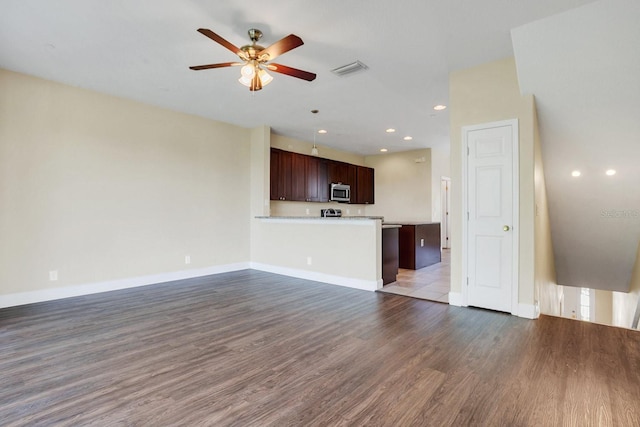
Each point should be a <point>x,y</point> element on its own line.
<point>340,193</point>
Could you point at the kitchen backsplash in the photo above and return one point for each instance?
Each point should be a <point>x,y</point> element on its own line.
<point>313,209</point>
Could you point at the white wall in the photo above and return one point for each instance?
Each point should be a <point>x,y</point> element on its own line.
<point>101,188</point>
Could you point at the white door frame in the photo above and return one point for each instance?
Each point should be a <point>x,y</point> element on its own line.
<point>516,208</point>
<point>445,220</point>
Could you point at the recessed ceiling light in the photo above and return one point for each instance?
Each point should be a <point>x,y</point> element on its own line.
<point>575,173</point>
<point>611,172</point>
<point>322,131</point>
<point>439,107</point>
<point>390,130</point>
<point>408,138</point>
<point>384,150</point>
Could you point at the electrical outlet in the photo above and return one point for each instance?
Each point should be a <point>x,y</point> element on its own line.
<point>187,259</point>
<point>421,242</point>
<point>359,211</point>
<point>53,275</point>
<point>308,260</point>
<point>348,211</point>
<point>307,210</point>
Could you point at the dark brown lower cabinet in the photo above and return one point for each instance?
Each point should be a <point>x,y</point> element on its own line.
<point>419,245</point>
<point>389,255</point>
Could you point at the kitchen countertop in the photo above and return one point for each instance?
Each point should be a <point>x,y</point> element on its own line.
<point>323,218</point>
<point>411,222</point>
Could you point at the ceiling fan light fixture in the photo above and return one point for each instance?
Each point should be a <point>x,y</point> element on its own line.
<point>265,77</point>
<point>248,70</point>
<point>248,77</point>
<point>255,58</point>
<point>246,81</point>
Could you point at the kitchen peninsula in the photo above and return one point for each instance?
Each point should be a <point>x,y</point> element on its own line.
<point>345,251</point>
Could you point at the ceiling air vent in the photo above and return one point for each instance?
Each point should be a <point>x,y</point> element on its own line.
<point>349,69</point>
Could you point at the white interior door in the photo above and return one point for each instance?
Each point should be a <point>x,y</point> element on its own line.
<point>492,213</point>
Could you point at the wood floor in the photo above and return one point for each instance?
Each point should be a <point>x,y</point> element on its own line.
<point>257,349</point>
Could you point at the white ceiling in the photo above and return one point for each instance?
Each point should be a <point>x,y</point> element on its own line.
<point>142,50</point>
<point>588,103</point>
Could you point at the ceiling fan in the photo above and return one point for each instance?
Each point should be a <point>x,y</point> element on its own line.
<point>256,59</point>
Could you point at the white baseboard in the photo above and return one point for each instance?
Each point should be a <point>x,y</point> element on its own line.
<point>455,298</point>
<point>528,311</point>
<point>366,285</point>
<point>21,298</point>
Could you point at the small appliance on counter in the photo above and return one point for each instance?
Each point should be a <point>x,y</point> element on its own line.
<point>330,213</point>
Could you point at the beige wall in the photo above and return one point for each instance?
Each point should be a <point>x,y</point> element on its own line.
<point>101,188</point>
<point>482,94</point>
<point>343,252</point>
<point>403,185</point>
<point>106,190</point>
<point>548,292</point>
<point>303,147</point>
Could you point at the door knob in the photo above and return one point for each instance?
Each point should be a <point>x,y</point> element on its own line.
<point>506,228</point>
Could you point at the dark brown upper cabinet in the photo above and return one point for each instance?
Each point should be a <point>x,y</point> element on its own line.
<point>317,179</point>
<point>280,175</point>
<point>342,173</point>
<point>365,186</point>
<point>298,177</point>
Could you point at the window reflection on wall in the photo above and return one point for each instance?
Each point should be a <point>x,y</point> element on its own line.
<point>611,308</point>
<point>585,304</point>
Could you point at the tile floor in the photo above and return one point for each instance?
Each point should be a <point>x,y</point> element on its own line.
<point>431,283</point>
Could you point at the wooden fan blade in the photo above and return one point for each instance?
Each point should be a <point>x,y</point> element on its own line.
<point>294,72</point>
<point>216,38</point>
<point>282,46</point>
<point>220,65</point>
